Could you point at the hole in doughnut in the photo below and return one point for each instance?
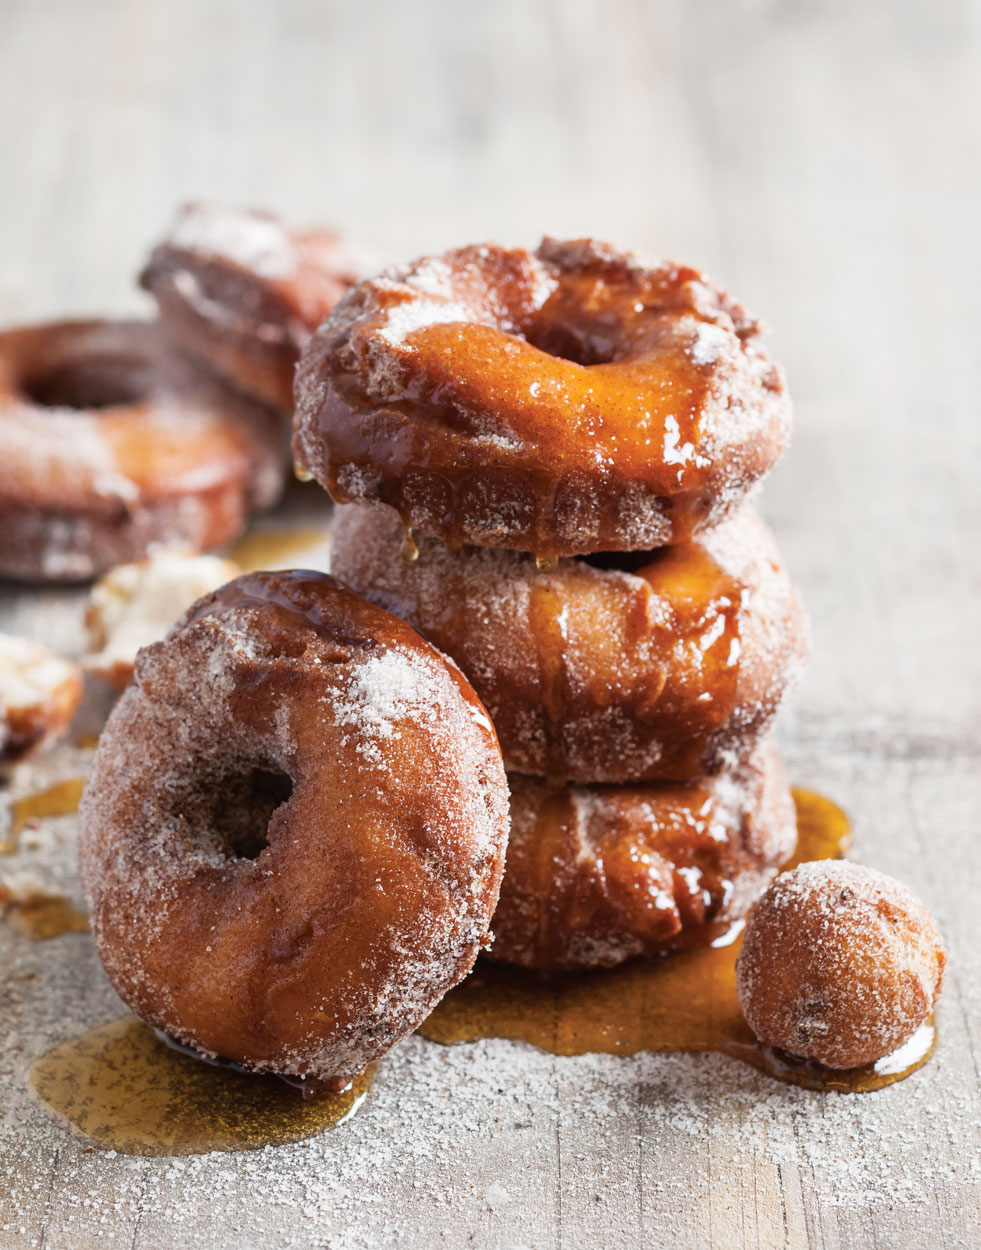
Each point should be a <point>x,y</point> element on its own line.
<point>620,561</point>
<point>568,342</point>
<point>242,806</point>
<point>105,382</point>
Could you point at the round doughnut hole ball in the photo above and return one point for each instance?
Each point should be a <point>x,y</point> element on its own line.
<point>839,963</point>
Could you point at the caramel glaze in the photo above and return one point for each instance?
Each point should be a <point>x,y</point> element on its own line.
<point>678,1002</point>
<point>43,916</point>
<point>472,423</point>
<point>125,1089</point>
<point>618,668</point>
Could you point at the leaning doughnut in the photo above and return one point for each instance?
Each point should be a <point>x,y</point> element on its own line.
<point>243,294</point>
<point>293,838</point>
<point>840,964</point>
<point>595,876</point>
<point>39,694</point>
<point>658,666</point>
<point>570,400</point>
<point>112,442</point>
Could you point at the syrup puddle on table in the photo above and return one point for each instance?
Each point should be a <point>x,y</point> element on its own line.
<point>61,799</point>
<point>124,1089</point>
<point>42,916</point>
<point>274,548</point>
<point>679,1002</point>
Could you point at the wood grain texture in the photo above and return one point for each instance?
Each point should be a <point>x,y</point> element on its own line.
<point>819,157</point>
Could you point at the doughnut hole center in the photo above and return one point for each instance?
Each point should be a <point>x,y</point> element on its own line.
<point>620,561</point>
<point>244,804</point>
<point>102,382</point>
<point>565,341</point>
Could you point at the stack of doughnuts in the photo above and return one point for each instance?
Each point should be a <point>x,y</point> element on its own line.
<point>544,461</point>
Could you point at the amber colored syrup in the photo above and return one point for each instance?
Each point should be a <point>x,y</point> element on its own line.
<point>679,1002</point>
<point>44,916</point>
<point>124,1089</point>
<point>269,549</point>
<point>61,799</point>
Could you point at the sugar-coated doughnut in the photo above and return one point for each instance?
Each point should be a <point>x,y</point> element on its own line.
<point>39,694</point>
<point>596,875</point>
<point>840,963</point>
<point>658,666</point>
<point>243,293</point>
<point>293,838</point>
<point>575,399</point>
<point>113,442</point>
<point>135,604</point>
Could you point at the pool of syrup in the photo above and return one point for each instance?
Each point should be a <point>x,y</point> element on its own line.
<point>679,1002</point>
<point>124,1089</point>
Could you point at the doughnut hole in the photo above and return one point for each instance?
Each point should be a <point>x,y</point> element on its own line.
<point>840,964</point>
<point>101,382</point>
<point>244,807</point>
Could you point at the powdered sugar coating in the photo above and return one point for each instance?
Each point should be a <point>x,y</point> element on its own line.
<point>243,293</point>
<point>113,442</point>
<point>599,674</point>
<point>570,400</point>
<point>597,875</point>
<point>313,954</point>
<point>840,963</point>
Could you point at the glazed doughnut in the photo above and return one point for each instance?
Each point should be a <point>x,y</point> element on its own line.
<point>840,964</point>
<point>39,694</point>
<point>243,294</point>
<point>575,399</point>
<point>595,875</point>
<point>114,442</point>
<point>658,666</point>
<point>135,604</point>
<point>293,838</point>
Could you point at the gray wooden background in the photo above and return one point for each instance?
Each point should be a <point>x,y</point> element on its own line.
<point>821,158</point>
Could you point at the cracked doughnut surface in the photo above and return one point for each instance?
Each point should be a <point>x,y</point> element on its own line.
<point>293,838</point>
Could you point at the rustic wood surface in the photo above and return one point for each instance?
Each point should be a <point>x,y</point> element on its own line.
<point>820,157</point>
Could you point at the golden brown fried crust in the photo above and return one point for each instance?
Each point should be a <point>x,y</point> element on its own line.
<point>112,442</point>
<point>243,294</point>
<point>293,839</point>
<point>840,963</point>
<point>30,723</point>
<point>596,875</point>
<point>570,400</point>
<point>591,672</point>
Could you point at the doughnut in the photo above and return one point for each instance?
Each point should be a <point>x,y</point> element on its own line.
<point>114,442</point>
<point>597,875</point>
<point>243,294</point>
<point>39,694</point>
<point>624,667</point>
<point>293,837</point>
<point>135,604</point>
<point>571,400</point>
<point>840,964</point>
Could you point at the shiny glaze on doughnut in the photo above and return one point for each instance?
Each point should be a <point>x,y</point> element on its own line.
<point>636,666</point>
<point>596,875</point>
<point>559,402</point>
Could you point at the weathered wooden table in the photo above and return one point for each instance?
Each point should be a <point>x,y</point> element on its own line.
<point>820,158</point>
